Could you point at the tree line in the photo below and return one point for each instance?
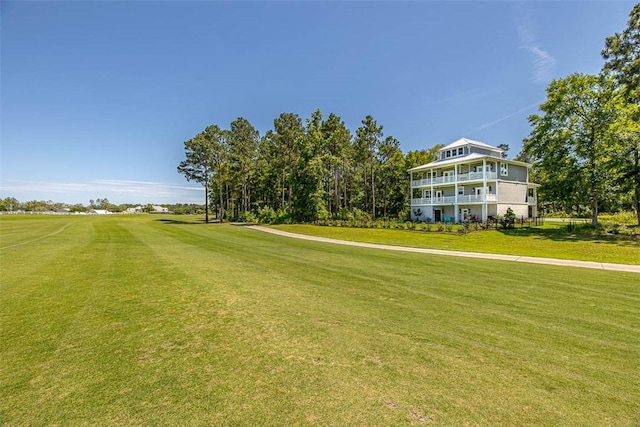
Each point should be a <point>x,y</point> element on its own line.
<point>11,204</point>
<point>301,170</point>
<point>585,143</point>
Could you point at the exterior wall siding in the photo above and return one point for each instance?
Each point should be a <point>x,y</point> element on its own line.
<point>509,192</point>
<point>516,173</point>
<point>521,210</point>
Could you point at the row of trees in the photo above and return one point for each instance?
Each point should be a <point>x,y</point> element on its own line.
<point>585,143</point>
<point>305,170</point>
<point>11,204</point>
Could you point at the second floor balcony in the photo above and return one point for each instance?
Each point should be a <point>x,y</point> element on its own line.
<point>455,200</point>
<point>452,179</point>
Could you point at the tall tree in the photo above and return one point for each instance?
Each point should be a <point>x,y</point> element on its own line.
<point>625,153</point>
<point>622,55</point>
<point>243,140</point>
<point>285,148</point>
<point>338,140</point>
<point>216,140</point>
<point>417,158</point>
<point>505,150</point>
<point>310,172</point>
<point>368,138</point>
<point>570,140</point>
<point>198,165</point>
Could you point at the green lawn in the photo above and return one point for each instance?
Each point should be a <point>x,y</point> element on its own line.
<point>148,320</point>
<point>550,241</point>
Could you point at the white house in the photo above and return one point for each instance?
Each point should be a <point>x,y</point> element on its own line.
<point>471,179</point>
<point>159,209</point>
<point>135,210</point>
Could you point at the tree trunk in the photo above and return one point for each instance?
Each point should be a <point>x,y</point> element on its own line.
<point>637,192</point>
<point>373,194</point>
<point>221,197</point>
<point>206,203</point>
<point>636,180</point>
<point>283,189</point>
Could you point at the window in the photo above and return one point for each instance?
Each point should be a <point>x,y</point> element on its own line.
<point>461,191</point>
<point>504,169</point>
<point>448,153</point>
<point>460,151</point>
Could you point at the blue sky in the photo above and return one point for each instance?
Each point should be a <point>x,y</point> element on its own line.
<point>97,98</point>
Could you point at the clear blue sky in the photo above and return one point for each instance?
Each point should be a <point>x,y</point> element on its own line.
<point>97,98</point>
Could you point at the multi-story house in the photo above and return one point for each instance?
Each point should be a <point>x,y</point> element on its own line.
<point>470,179</point>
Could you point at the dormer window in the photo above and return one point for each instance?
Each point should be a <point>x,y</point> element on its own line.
<point>454,152</point>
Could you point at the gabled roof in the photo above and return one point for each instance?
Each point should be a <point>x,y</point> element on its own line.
<point>466,141</point>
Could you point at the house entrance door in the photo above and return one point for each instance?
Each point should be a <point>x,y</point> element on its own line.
<point>437,215</point>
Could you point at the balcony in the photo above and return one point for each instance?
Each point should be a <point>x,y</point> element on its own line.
<point>453,200</point>
<point>462,177</point>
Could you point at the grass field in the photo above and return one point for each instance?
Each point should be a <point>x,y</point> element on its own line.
<point>550,241</point>
<point>150,321</point>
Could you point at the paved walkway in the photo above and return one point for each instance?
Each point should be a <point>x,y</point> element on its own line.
<point>516,258</point>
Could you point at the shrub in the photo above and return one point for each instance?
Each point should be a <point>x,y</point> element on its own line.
<point>266,215</point>
<point>509,219</point>
<point>246,216</point>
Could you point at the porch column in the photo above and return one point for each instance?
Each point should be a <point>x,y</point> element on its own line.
<point>431,181</point>
<point>484,189</point>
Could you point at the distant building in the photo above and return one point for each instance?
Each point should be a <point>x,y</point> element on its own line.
<point>159,209</point>
<point>136,210</point>
<point>471,179</point>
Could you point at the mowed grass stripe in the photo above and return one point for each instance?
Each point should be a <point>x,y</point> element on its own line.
<point>187,324</point>
<point>295,255</point>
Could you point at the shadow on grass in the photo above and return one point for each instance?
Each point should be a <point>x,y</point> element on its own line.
<point>183,222</point>
<point>562,235</point>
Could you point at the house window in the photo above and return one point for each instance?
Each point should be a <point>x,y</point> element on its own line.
<point>460,151</point>
<point>461,191</point>
<point>504,169</point>
<point>448,153</point>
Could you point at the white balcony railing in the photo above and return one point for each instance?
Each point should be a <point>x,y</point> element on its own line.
<point>452,179</point>
<point>452,200</point>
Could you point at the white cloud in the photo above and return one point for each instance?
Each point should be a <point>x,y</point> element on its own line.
<point>508,116</point>
<point>544,63</point>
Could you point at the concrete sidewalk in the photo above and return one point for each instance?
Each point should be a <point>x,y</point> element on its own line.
<point>515,258</point>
